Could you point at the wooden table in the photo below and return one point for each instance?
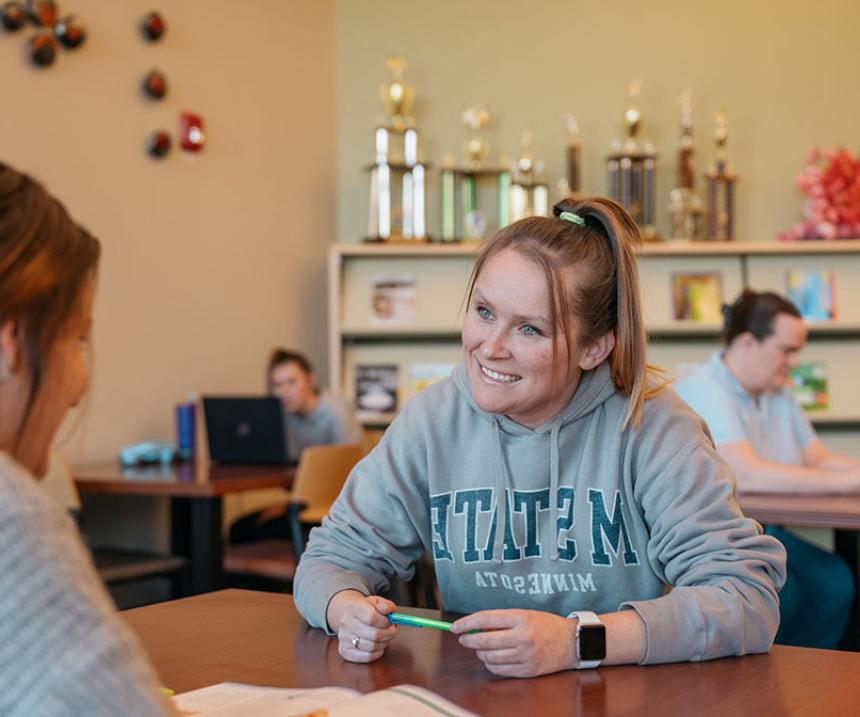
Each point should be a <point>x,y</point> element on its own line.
<point>196,492</point>
<point>839,512</point>
<point>259,638</point>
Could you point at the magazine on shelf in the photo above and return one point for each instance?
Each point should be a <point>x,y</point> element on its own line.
<point>813,292</point>
<point>426,374</point>
<point>697,297</point>
<point>231,699</point>
<point>809,383</point>
<point>376,388</point>
<point>392,301</point>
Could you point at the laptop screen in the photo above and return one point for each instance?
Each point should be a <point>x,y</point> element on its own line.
<point>246,429</point>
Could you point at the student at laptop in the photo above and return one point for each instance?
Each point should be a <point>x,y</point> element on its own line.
<point>311,418</point>
<point>63,651</point>
<point>762,432</point>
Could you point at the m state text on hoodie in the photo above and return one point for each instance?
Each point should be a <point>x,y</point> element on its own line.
<point>592,518</point>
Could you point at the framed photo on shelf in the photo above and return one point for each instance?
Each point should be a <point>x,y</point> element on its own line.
<point>426,374</point>
<point>809,384</point>
<point>813,292</point>
<point>697,297</point>
<point>376,388</point>
<point>392,301</point>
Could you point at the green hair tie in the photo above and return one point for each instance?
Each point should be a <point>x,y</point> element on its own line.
<point>573,218</point>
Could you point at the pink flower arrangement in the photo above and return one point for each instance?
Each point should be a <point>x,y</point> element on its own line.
<point>831,182</point>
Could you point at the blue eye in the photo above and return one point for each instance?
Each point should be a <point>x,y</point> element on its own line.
<point>530,330</point>
<point>484,313</point>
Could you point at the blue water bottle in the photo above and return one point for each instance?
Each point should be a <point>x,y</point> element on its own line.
<point>185,426</point>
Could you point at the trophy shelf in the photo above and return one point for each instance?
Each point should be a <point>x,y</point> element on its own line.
<point>441,270</point>
<point>416,247</point>
<point>738,248</point>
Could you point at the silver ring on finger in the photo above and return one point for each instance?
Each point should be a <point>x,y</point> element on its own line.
<point>355,641</point>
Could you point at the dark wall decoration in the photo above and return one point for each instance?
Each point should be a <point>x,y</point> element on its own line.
<point>155,84</point>
<point>158,144</point>
<point>42,46</point>
<point>153,26</point>
<point>71,32</point>
<point>13,16</point>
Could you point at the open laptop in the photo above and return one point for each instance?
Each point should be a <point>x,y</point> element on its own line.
<point>246,429</point>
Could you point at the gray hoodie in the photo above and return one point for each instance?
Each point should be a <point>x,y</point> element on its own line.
<point>593,518</point>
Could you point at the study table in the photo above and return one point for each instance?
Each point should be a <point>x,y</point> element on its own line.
<point>259,638</point>
<point>839,512</point>
<point>196,491</point>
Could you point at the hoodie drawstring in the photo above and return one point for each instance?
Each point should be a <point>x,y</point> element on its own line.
<point>501,498</point>
<point>502,482</point>
<point>553,485</point>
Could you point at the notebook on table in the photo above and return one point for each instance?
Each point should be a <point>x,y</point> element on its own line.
<point>246,429</point>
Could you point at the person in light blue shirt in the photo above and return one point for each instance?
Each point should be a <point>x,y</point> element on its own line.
<point>760,429</point>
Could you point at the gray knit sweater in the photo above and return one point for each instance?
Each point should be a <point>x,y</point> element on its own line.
<point>63,650</point>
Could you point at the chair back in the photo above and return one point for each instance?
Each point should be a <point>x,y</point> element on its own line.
<point>320,475</point>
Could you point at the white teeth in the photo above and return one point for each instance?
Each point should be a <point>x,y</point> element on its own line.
<point>502,377</point>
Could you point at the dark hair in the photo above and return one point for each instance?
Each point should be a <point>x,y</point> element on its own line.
<point>754,312</point>
<point>46,260</point>
<point>607,292</point>
<point>280,356</point>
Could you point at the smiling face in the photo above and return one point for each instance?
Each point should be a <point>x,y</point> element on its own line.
<point>508,346</point>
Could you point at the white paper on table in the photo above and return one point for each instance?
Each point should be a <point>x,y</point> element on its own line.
<point>229,699</point>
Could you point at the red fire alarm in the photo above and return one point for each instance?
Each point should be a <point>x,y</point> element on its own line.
<point>191,136</point>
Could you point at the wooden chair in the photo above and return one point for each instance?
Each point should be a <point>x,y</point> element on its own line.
<point>320,475</point>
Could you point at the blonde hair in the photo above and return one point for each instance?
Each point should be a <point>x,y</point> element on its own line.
<point>606,296</point>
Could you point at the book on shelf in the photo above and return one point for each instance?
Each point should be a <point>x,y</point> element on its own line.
<point>392,301</point>
<point>813,292</point>
<point>426,374</point>
<point>232,699</point>
<point>376,388</point>
<point>697,297</point>
<point>809,384</point>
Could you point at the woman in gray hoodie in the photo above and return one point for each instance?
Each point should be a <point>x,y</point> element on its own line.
<point>558,484</point>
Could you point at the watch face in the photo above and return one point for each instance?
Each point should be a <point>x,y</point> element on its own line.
<point>592,642</point>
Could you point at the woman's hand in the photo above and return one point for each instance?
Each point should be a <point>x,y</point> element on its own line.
<point>519,643</point>
<point>363,630</point>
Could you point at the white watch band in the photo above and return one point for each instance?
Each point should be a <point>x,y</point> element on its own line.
<point>584,617</point>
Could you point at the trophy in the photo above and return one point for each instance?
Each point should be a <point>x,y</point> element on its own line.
<point>571,186</point>
<point>529,192</point>
<point>721,181</point>
<point>470,222</point>
<point>396,176</point>
<point>685,206</point>
<point>631,170</point>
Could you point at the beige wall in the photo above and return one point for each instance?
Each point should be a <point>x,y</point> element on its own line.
<point>785,71</point>
<point>209,260</point>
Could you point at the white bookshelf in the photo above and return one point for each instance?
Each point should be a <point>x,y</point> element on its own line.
<point>441,273</point>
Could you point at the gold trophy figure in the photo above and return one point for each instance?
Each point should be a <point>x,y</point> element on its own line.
<point>397,97</point>
<point>397,210</point>
<point>571,186</point>
<point>461,217</point>
<point>721,181</point>
<point>475,118</point>
<point>685,206</point>
<point>529,191</point>
<point>631,169</point>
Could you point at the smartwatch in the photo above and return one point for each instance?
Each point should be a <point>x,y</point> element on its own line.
<point>590,639</point>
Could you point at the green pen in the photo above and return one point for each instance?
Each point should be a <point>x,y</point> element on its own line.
<point>398,618</point>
